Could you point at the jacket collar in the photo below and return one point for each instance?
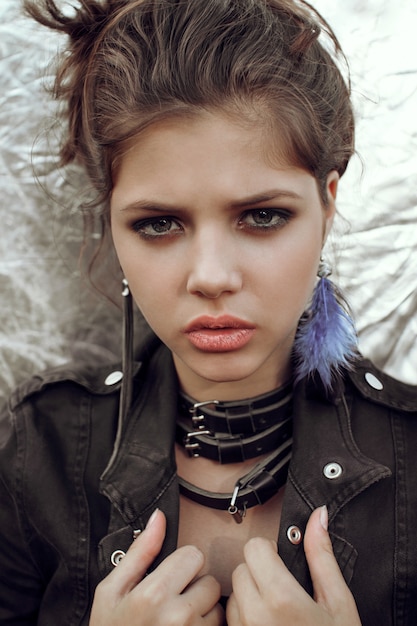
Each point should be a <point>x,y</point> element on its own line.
<point>323,440</point>
<point>317,443</point>
<point>142,477</point>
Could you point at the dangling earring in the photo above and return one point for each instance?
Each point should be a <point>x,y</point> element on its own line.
<point>326,338</point>
<point>127,367</point>
<point>127,354</point>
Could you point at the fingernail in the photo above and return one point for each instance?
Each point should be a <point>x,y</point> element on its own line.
<point>324,517</point>
<point>152,519</point>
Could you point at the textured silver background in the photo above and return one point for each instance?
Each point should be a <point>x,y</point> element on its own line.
<point>46,312</point>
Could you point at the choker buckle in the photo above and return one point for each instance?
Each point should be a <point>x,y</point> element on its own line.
<point>193,447</point>
<point>198,420</point>
<point>238,514</point>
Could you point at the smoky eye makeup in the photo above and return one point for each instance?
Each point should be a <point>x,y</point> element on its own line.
<point>264,219</point>
<point>156,227</point>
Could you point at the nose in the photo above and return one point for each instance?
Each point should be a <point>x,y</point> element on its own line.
<point>214,267</point>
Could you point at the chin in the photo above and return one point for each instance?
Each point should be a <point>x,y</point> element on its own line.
<point>222,372</point>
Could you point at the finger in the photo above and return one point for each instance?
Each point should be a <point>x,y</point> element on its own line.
<point>246,599</point>
<point>141,554</point>
<point>330,589</point>
<point>173,575</point>
<point>243,584</point>
<point>232,611</point>
<point>324,570</point>
<point>203,594</point>
<point>274,590</point>
<point>215,617</point>
<point>264,563</point>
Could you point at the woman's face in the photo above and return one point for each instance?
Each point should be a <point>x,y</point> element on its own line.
<point>220,247</point>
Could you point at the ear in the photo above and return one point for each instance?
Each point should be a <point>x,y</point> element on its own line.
<point>330,209</point>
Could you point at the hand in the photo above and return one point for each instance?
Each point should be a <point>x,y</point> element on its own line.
<point>169,596</point>
<point>265,593</point>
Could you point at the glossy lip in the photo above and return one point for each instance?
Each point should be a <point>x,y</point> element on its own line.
<point>219,334</point>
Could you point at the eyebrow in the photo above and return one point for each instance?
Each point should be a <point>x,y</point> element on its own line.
<point>275,194</point>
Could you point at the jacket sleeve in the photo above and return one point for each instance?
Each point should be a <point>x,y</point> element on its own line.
<point>21,586</point>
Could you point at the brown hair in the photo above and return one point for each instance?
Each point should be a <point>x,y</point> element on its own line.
<point>132,62</point>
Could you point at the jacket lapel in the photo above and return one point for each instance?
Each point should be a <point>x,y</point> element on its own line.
<point>142,476</point>
<point>327,467</point>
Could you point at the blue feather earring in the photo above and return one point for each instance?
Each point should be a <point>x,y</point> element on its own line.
<point>326,339</point>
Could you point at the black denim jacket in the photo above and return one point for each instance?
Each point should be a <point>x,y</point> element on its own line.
<point>70,498</point>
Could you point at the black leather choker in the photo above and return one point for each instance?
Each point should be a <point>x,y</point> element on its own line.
<point>238,417</point>
<point>255,487</point>
<point>233,448</point>
<point>232,432</point>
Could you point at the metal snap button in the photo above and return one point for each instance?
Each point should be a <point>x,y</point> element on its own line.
<point>113,378</point>
<point>373,381</point>
<point>116,557</point>
<point>294,535</point>
<point>332,470</point>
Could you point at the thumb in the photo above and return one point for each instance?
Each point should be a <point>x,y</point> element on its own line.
<point>141,554</point>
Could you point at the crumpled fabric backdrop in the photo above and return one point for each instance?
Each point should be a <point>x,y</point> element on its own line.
<point>48,315</point>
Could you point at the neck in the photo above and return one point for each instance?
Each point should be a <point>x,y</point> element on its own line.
<point>203,389</point>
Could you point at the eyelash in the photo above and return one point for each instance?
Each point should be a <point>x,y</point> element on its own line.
<point>280,217</point>
<point>140,226</point>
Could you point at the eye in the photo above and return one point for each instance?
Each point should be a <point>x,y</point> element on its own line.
<point>264,219</point>
<point>156,227</point>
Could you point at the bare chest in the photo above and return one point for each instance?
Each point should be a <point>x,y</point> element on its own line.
<point>215,532</point>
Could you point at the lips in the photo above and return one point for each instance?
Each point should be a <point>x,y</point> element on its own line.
<point>219,334</point>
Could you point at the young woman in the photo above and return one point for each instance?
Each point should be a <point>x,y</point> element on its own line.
<point>214,133</point>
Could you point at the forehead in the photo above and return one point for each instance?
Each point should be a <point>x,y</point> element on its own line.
<point>244,140</point>
<point>205,159</point>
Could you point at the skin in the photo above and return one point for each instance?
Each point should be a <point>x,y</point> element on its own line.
<point>220,253</point>
<point>190,247</point>
<point>165,597</point>
<point>265,593</point>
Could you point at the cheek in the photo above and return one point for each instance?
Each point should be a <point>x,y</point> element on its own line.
<point>290,291</point>
<point>289,276</point>
<point>153,284</point>
<point>151,302</point>
<point>295,262</point>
